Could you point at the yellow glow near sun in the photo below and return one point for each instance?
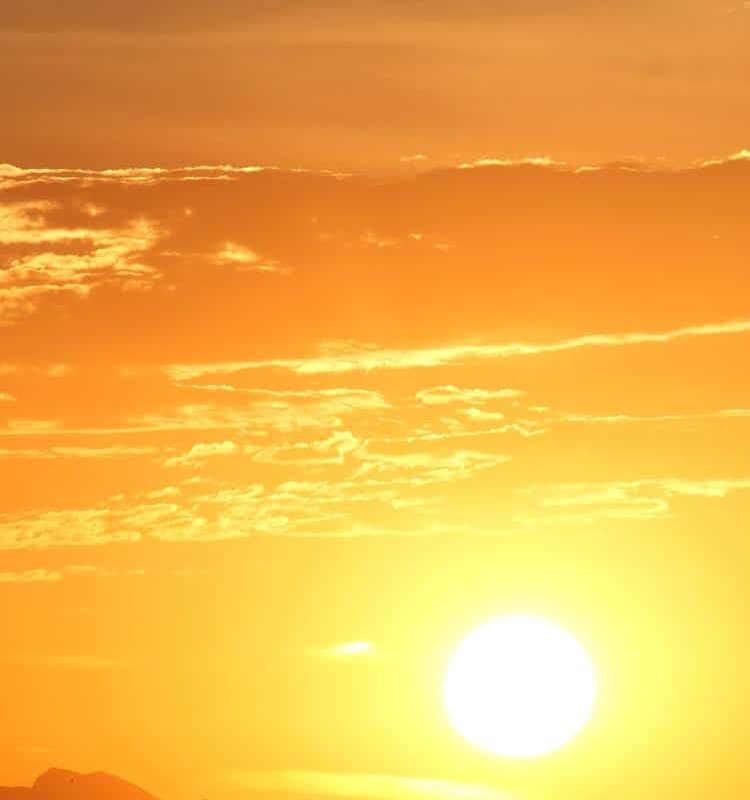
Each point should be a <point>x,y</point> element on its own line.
<point>354,649</point>
<point>519,686</point>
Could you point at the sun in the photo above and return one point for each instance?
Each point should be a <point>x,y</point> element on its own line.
<point>519,686</point>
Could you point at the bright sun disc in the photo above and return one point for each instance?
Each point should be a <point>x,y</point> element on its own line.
<point>519,686</point>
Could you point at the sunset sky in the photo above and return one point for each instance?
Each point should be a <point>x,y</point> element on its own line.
<point>330,330</point>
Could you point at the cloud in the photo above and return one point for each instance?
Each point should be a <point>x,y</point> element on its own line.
<point>88,570</point>
<point>332,450</point>
<point>424,468</point>
<point>296,411</point>
<point>377,490</point>
<point>281,452</point>
<point>325,409</point>
<point>372,239</point>
<point>25,223</point>
<point>588,503</point>
<point>702,488</point>
<point>74,570</point>
<point>534,161</point>
<point>29,427</point>
<point>50,371</point>
<point>480,415</point>
<point>446,395</point>
<point>617,418</point>
<point>31,576</point>
<point>245,259</point>
<point>367,359</point>
<point>71,527</point>
<point>381,497</point>
<point>112,257</point>
<point>13,177</point>
<point>237,254</point>
<point>735,412</point>
<point>362,785</point>
<point>256,419</point>
<point>740,155</point>
<point>609,502</point>
<point>198,454</point>
<point>167,491</point>
<point>113,452</point>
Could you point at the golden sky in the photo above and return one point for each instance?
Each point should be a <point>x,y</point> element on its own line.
<point>456,325</point>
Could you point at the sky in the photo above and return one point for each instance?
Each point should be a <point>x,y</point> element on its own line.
<point>361,84</point>
<point>330,331</point>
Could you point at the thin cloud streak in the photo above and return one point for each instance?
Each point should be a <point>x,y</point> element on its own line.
<point>31,576</point>
<point>370,359</point>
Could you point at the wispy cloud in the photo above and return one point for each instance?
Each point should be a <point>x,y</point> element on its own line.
<point>313,410</point>
<point>366,359</point>
<point>31,576</point>
<point>377,485</point>
<point>69,261</point>
<point>198,453</point>
<point>617,418</point>
<point>13,177</point>
<point>447,395</point>
<point>588,503</point>
<point>73,571</point>
<point>282,412</point>
<point>423,468</point>
<point>535,161</point>
<point>109,453</point>
<point>246,260</point>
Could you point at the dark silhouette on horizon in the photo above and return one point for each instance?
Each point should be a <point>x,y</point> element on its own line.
<point>62,784</point>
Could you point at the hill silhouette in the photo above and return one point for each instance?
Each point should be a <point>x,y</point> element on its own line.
<point>61,784</point>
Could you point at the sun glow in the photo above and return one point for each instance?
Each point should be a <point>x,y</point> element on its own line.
<point>519,686</point>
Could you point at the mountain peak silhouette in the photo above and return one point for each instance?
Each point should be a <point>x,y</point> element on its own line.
<point>63,784</point>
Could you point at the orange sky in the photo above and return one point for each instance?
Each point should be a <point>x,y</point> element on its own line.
<point>385,378</point>
<point>363,83</point>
